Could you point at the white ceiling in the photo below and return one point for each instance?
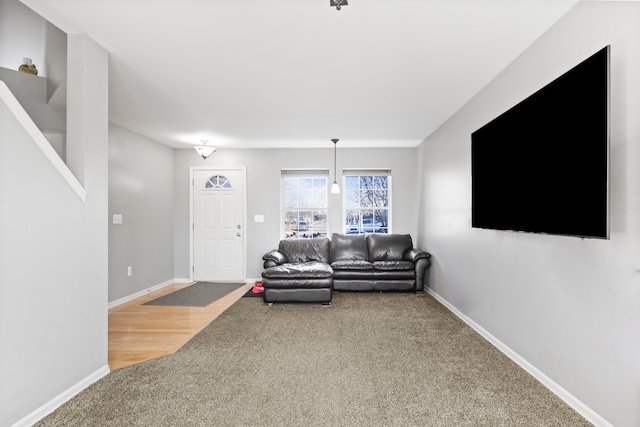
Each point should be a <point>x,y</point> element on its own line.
<point>296,73</point>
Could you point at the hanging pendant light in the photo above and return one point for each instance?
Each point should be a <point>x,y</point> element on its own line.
<point>205,150</point>
<point>335,188</point>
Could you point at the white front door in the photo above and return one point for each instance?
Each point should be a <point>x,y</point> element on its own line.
<point>218,225</point>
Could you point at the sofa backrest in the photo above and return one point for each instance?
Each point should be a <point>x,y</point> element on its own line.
<point>349,247</point>
<point>305,250</point>
<point>388,247</point>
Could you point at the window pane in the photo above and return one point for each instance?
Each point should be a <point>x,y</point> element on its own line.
<point>380,198</point>
<point>366,182</point>
<point>319,224</point>
<point>320,198</point>
<point>290,223</point>
<point>291,199</point>
<point>306,198</point>
<point>290,184</point>
<point>351,182</point>
<point>306,183</point>
<point>381,217</point>
<point>304,224</point>
<point>218,182</point>
<point>352,222</point>
<point>382,182</point>
<point>320,183</point>
<point>352,199</point>
<point>366,198</point>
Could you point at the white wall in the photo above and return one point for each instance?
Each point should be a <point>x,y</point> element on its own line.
<point>31,91</point>
<point>22,34</point>
<point>263,192</point>
<point>53,255</point>
<point>141,180</point>
<point>569,307</point>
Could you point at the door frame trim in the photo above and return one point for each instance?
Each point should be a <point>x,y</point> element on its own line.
<point>243,170</point>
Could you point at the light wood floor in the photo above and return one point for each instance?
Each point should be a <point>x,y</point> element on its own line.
<point>142,332</point>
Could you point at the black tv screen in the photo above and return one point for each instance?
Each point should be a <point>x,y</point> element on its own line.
<point>542,166</point>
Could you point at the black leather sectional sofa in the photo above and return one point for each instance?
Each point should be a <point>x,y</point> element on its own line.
<point>308,270</point>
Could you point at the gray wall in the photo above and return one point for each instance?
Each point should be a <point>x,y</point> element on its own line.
<point>263,191</point>
<point>53,254</point>
<point>569,307</point>
<point>141,189</point>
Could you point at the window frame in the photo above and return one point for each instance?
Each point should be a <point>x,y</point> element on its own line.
<point>302,174</point>
<point>351,172</point>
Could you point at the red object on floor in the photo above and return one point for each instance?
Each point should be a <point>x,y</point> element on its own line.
<point>258,288</point>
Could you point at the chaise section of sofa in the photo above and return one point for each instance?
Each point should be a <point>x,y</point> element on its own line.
<point>298,271</point>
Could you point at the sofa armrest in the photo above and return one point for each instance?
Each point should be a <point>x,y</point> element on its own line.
<point>422,261</point>
<point>414,255</point>
<point>269,263</point>
<point>274,256</point>
<point>421,273</point>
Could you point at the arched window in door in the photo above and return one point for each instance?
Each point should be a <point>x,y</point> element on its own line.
<point>218,182</point>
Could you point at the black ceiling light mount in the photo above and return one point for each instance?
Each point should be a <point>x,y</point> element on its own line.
<point>338,3</point>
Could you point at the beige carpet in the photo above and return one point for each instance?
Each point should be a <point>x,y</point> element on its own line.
<point>367,360</point>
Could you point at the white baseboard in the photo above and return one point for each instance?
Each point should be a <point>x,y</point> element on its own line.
<point>146,291</point>
<point>57,401</point>
<point>562,393</point>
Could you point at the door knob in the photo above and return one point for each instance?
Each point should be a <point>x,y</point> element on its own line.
<point>238,234</point>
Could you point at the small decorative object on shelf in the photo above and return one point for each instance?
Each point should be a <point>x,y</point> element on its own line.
<point>28,67</point>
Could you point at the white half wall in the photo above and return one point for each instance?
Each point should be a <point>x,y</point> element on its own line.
<point>569,307</point>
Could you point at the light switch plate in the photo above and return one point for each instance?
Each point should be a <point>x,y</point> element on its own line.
<point>258,218</point>
<point>117,218</point>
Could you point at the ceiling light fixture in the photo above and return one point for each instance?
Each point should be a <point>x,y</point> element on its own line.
<point>335,188</point>
<point>205,150</point>
<point>338,3</point>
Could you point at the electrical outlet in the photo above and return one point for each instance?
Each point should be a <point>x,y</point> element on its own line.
<point>129,271</point>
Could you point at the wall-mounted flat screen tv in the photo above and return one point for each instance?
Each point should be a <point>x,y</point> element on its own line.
<point>542,166</point>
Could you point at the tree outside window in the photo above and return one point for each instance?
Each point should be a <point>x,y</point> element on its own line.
<point>367,207</point>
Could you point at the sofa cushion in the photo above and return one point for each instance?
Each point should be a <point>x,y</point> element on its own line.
<point>304,270</point>
<point>354,274</point>
<point>305,250</point>
<point>393,265</point>
<point>394,275</point>
<point>351,265</point>
<point>388,247</point>
<point>349,247</point>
